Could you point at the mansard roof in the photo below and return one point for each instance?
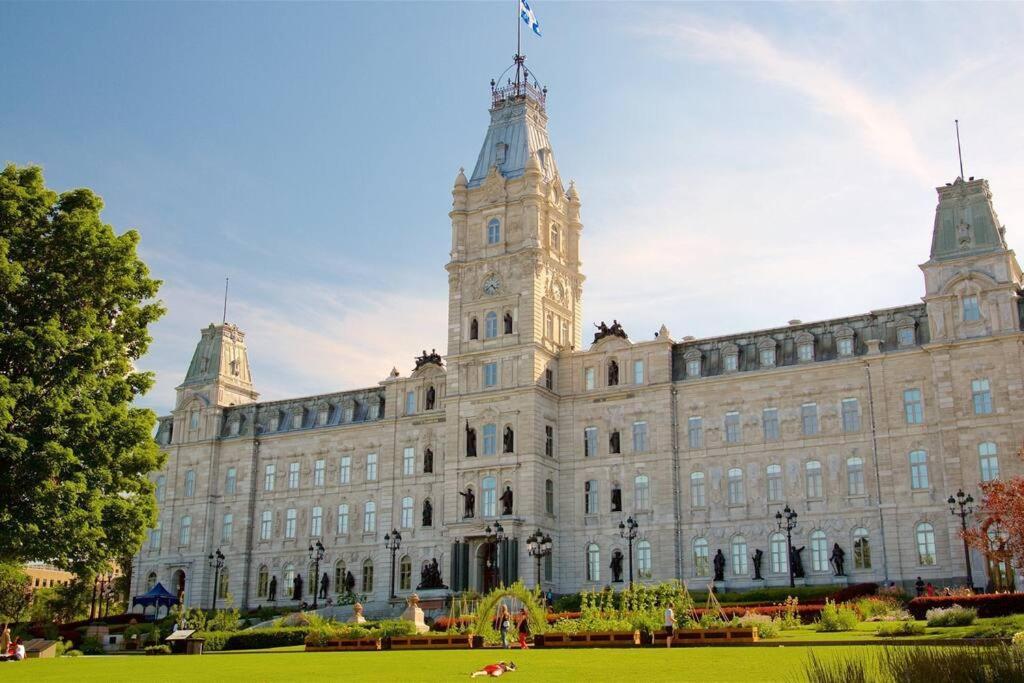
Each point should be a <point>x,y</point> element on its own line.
<point>518,130</point>
<point>965,221</point>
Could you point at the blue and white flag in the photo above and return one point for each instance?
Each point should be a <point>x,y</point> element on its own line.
<point>528,16</point>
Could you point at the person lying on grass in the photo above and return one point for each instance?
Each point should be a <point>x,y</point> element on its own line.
<point>494,670</point>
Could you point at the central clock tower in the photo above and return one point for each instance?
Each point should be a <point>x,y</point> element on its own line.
<point>515,294</point>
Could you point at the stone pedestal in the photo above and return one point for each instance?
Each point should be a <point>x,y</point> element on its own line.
<point>719,587</point>
<point>357,614</point>
<point>799,583</point>
<point>841,580</point>
<point>414,614</point>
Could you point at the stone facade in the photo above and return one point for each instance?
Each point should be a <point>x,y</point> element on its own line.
<point>864,425</point>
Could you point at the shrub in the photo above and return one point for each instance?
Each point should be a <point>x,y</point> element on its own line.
<point>840,670</point>
<point>1018,639</point>
<point>91,646</point>
<point>591,624</point>
<point>254,639</point>
<point>766,626</point>
<point>953,664</point>
<point>567,603</point>
<point>837,618</point>
<point>954,615</point>
<point>159,649</point>
<point>996,605</point>
<point>881,609</point>
<point>72,653</point>
<point>895,629</point>
<point>998,627</point>
<point>857,590</point>
<point>646,622</point>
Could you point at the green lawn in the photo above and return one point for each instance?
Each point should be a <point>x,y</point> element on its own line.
<point>740,664</point>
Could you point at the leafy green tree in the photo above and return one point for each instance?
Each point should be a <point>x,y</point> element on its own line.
<point>61,604</point>
<point>75,306</point>
<point>14,593</point>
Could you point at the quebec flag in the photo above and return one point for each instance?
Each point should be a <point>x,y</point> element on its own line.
<point>528,16</point>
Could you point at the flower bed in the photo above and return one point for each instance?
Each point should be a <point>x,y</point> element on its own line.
<point>996,605</point>
<point>431,642</point>
<point>807,613</point>
<point>599,639</point>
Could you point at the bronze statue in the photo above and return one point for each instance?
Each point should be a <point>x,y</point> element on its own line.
<point>614,330</point>
<point>719,566</point>
<point>614,445</point>
<point>430,576</point>
<point>509,440</point>
<point>380,407</point>
<point>798,563</point>
<point>350,582</point>
<point>506,501</point>
<point>758,557</point>
<point>432,357</point>
<point>616,499</point>
<point>431,397</point>
<point>616,566</point>
<point>297,587</point>
<point>470,441</point>
<point>613,373</point>
<point>273,589</point>
<point>468,503</point>
<point>838,559</point>
<point>428,461</point>
<point>508,323</point>
<point>325,583</point>
<point>428,513</point>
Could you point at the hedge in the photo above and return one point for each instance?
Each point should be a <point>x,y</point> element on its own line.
<point>989,605</point>
<point>857,590</point>
<point>254,639</point>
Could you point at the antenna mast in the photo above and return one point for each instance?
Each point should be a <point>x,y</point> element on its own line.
<point>959,154</point>
<point>225,318</point>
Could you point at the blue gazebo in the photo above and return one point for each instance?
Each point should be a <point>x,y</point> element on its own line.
<point>156,596</point>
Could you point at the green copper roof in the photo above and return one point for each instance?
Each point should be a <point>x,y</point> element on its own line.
<point>965,222</point>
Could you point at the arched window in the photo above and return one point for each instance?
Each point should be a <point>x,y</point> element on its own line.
<point>150,581</point>
<point>779,554</point>
<point>819,551</point>
<point>222,584</point>
<point>861,549</point>
<point>489,487</point>
<point>508,323</point>
<point>814,487</point>
<point>407,512</point>
<point>340,572</point>
<point>493,231</point>
<point>701,565</point>
<point>642,492</point>
<point>491,325</point>
<point>855,476</point>
<point>643,559</point>
<point>549,496</point>
<point>736,496</point>
<point>613,373</point>
<point>370,517</point>
<point>925,544</point>
<point>593,562</point>
<point>262,581</point>
<point>289,578</point>
<point>490,439</point>
<point>405,574</point>
<point>697,498</point>
<point>739,556</point>
<point>474,329</point>
<point>918,470</point>
<point>988,460</point>
<point>368,576</point>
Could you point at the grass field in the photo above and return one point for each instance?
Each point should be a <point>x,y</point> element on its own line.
<point>740,664</point>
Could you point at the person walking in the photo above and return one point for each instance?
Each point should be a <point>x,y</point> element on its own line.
<point>504,623</point>
<point>524,628</point>
<point>670,624</point>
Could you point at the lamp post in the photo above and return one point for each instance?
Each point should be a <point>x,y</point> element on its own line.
<point>393,542</point>
<point>495,537</point>
<point>215,560</point>
<point>316,554</point>
<point>788,516</point>
<point>627,530</point>
<point>539,547</point>
<point>961,506</point>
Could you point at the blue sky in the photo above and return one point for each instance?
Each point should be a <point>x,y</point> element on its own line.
<point>740,165</point>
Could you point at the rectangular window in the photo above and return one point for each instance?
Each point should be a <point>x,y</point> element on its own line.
<point>549,441</point>
<point>814,483</point>
<point>639,437</point>
<point>154,537</point>
<point>190,483</point>
<point>343,519</point>
<point>981,395</point>
<point>490,374</point>
<point>695,432</point>
<point>269,474</point>
<point>231,481</point>
<point>913,407</point>
<point>407,513</point>
<point>845,346</point>
<point>851,415</point>
<point>805,352</point>
<point>370,517</point>
<point>409,462</point>
<point>266,525</point>
<point>770,424</point>
<point>161,488</point>
<point>371,467</point>
<point>971,310</point>
<point>693,368</point>
<point>590,497</point>
<point>767,357</point>
<point>589,442</point>
<point>989,461</point>
<point>642,493</point>
<point>185,530</point>
<point>345,469</point>
<point>736,487</point>
<point>289,523</point>
<point>697,498</point>
<point>590,376</point>
<point>855,476</point>
<point>731,362</point>
<point>410,402</point>
<point>774,483</point>
<point>809,418</point>
<point>193,419</point>
<point>919,470</point>
<point>732,427</point>
<point>905,336</point>
<point>549,379</point>
<point>226,527</point>
<point>490,439</point>
<point>316,521</point>
<point>638,372</point>
<point>318,472</point>
<point>293,475</point>
<point>549,497</point>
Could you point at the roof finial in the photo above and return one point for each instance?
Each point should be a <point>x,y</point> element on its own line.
<point>959,154</point>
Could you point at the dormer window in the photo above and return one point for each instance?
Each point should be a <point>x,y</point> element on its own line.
<point>971,310</point>
<point>692,358</point>
<point>766,353</point>
<point>493,231</point>
<point>905,332</point>
<point>556,238</point>
<point>730,358</point>
<point>804,347</point>
<point>844,341</point>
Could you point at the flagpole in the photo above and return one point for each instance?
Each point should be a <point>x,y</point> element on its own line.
<point>519,40</point>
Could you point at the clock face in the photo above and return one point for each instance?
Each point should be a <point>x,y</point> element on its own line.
<point>492,284</point>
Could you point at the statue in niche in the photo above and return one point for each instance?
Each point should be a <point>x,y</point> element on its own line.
<point>350,582</point>
<point>325,583</point>
<point>758,558</point>
<point>616,566</point>
<point>428,513</point>
<point>297,587</point>
<point>616,499</point>
<point>838,559</point>
<point>614,445</point>
<point>428,461</point>
<point>963,234</point>
<point>469,502</point>
<point>273,589</point>
<point>719,566</point>
<point>797,561</point>
<point>430,576</point>
<point>613,373</point>
<point>509,440</point>
<point>431,398</point>
<point>508,323</point>
<point>470,441</point>
<point>381,405</point>
<point>506,501</point>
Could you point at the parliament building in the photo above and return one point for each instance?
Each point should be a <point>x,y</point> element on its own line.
<point>864,425</point>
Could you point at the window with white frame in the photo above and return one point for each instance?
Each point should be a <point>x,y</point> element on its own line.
<point>805,351</point>
<point>809,418</point>
<point>642,492</point>
<point>638,372</point>
<point>819,551</point>
<point>343,519</point>
<point>590,497</point>
<point>697,497</point>
<point>913,406</point>
<point>489,486</point>
<point>410,402</point>
<point>693,367</point>
<point>407,512</point>
<point>371,467</point>
<point>844,346</point>
<point>971,310</point>
<point>739,556</point>
<point>590,377</point>
<point>161,488</point>
<point>490,439</point>
<point>918,470</point>
<point>549,496</point>
<point>695,432</point>
<point>593,562</point>
<point>290,521</point>
<point>778,554</point>
<point>905,335</point>
<point>861,549</point>
<point>735,478</point>
<point>730,358</point>
<point>370,517</point>
<point>266,525</point>
<point>774,473</point>
<point>701,563</point>
<point>855,476</point>
<point>767,357</point>
<point>493,231</point>
<point>988,460</point>
<point>190,483</point>
<point>409,461</point>
<point>732,427</point>
<point>319,470</point>
<point>491,325</point>
<point>814,484</point>
<point>185,530</point>
<point>643,559</point>
<point>231,481</point>
<point>269,475</point>
<point>640,437</point>
<point>227,525</point>
<point>490,374</point>
<point>851,414</point>
<point>345,469</point>
<point>981,396</point>
<point>154,536</point>
<point>925,544</point>
<point>405,573</point>
<point>293,475</point>
<point>770,424</point>
<point>316,521</point>
<point>193,419</point>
